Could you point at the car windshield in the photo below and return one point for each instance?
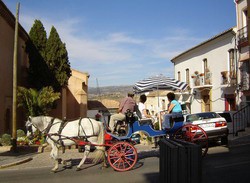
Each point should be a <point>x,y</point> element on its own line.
<point>201,116</point>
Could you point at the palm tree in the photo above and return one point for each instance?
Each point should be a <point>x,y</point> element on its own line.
<point>36,102</point>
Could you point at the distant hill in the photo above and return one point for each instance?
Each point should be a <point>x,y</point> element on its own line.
<point>109,92</point>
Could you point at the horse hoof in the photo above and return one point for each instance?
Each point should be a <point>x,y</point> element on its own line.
<point>64,163</point>
<point>54,170</point>
<point>60,161</point>
<point>78,169</point>
<point>103,167</point>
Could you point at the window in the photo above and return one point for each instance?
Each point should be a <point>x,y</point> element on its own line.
<point>179,75</point>
<point>232,65</point>
<point>244,18</point>
<point>205,66</point>
<point>187,76</point>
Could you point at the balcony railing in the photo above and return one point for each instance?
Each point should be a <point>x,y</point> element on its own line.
<point>228,78</point>
<point>242,35</point>
<point>202,79</point>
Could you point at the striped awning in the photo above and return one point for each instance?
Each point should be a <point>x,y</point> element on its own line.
<point>159,82</point>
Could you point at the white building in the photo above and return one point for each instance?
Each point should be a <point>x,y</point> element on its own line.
<point>243,48</point>
<point>210,70</point>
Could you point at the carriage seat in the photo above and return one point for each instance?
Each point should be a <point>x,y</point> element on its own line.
<point>177,118</point>
<point>145,121</point>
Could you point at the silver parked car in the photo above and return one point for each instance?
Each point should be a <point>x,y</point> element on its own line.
<point>212,123</point>
<point>228,115</point>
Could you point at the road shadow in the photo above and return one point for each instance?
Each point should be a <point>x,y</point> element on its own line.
<point>20,151</point>
<point>149,153</point>
<point>152,178</point>
<point>73,163</point>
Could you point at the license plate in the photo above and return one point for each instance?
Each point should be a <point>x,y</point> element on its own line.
<point>207,125</point>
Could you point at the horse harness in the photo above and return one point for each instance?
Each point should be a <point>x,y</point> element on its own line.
<point>62,137</point>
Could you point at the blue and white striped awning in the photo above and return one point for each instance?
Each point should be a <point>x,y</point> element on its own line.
<point>159,82</point>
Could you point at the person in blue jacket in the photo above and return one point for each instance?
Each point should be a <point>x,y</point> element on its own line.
<point>174,109</point>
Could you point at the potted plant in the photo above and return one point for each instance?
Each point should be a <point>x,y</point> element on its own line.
<point>196,77</point>
<point>208,76</point>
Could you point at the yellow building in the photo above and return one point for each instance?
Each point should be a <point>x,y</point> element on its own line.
<point>73,102</point>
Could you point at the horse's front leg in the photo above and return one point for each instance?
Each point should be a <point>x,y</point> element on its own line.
<point>85,155</point>
<point>54,156</point>
<point>105,164</point>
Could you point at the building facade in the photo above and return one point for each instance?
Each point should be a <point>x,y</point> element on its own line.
<point>73,101</point>
<point>210,71</point>
<point>243,49</point>
<point>7,32</point>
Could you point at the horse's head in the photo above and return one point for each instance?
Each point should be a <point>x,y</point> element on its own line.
<point>30,128</point>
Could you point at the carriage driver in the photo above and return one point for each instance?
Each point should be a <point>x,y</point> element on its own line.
<point>125,104</point>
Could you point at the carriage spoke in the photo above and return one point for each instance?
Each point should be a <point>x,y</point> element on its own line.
<point>117,161</point>
<point>128,162</point>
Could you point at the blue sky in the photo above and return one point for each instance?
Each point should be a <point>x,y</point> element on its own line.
<point>119,42</point>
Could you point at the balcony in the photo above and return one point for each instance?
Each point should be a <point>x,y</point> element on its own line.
<point>200,80</point>
<point>242,37</point>
<point>228,78</point>
<point>245,77</point>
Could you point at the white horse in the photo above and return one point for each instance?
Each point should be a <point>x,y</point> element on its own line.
<point>61,133</point>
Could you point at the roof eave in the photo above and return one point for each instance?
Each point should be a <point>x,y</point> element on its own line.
<point>207,41</point>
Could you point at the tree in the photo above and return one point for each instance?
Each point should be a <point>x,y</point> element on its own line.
<point>57,59</point>
<point>39,37</point>
<point>36,102</point>
<point>38,73</point>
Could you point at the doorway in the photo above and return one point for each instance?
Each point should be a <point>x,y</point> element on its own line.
<point>205,97</point>
<point>230,102</point>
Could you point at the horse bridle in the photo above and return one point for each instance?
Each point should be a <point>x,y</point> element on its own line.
<point>29,128</point>
<point>45,131</point>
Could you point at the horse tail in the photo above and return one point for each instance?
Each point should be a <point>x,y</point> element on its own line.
<point>100,153</point>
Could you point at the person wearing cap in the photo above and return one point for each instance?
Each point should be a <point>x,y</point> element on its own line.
<point>128,103</point>
<point>174,109</point>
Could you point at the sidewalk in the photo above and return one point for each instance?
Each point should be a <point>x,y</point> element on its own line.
<point>242,138</point>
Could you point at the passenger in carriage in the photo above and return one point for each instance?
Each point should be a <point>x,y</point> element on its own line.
<point>174,110</point>
<point>127,103</point>
<point>145,114</point>
<point>142,107</point>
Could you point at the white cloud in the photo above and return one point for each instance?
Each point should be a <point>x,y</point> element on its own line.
<point>123,38</point>
<point>116,56</point>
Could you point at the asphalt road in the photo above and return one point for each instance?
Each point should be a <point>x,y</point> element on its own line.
<point>145,171</point>
<point>227,165</point>
<point>221,165</point>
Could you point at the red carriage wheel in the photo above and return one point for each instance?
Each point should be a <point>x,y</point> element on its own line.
<point>194,134</point>
<point>122,156</point>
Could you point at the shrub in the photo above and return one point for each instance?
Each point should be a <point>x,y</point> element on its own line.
<point>6,139</point>
<point>20,133</point>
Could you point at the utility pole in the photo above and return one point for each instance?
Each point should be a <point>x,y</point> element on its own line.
<point>14,104</point>
<point>98,90</point>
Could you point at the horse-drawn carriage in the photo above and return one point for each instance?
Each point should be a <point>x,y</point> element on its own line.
<point>119,149</point>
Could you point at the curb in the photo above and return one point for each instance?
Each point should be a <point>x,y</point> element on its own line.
<point>16,163</point>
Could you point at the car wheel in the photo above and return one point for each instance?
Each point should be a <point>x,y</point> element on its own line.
<point>224,140</point>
